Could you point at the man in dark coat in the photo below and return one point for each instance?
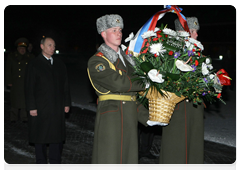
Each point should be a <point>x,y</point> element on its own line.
<point>110,72</point>
<point>15,74</point>
<point>183,139</point>
<point>47,98</point>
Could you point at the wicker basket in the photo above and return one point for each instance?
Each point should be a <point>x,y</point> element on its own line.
<point>161,107</point>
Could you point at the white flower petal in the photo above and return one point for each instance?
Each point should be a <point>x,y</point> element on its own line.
<point>209,66</point>
<point>183,34</point>
<point>169,32</point>
<point>182,66</point>
<point>155,77</point>
<point>156,29</point>
<point>211,76</point>
<point>204,69</point>
<point>207,61</point>
<point>130,37</point>
<point>148,34</point>
<point>123,47</point>
<point>198,43</point>
<point>157,49</point>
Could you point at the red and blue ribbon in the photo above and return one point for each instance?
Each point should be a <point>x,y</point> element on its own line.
<point>138,42</point>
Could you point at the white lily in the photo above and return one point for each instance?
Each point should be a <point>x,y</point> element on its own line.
<point>130,37</point>
<point>181,65</point>
<point>148,34</point>
<point>123,47</point>
<point>155,76</point>
<point>204,69</point>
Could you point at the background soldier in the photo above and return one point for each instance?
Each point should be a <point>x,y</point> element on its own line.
<point>15,73</point>
<point>183,139</point>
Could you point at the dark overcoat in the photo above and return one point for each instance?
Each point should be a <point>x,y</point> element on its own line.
<point>47,91</point>
<point>15,75</point>
<point>115,135</point>
<point>183,139</point>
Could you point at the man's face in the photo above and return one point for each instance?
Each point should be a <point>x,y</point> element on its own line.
<point>48,47</point>
<point>112,36</point>
<point>21,50</point>
<point>193,33</point>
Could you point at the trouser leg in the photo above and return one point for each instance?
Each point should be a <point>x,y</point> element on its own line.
<point>55,152</point>
<point>41,153</point>
<point>13,114</point>
<point>23,114</point>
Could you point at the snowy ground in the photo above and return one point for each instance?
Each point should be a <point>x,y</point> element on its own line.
<point>220,122</point>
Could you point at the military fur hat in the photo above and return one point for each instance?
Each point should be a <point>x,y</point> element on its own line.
<point>109,21</point>
<point>191,21</point>
<point>21,42</point>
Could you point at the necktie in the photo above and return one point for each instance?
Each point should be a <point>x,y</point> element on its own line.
<point>49,61</point>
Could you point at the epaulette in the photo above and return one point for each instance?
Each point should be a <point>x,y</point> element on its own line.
<point>99,54</point>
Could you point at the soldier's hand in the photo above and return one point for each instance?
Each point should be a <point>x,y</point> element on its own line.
<point>33,112</point>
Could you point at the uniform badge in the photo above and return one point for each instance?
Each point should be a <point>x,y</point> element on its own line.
<point>100,67</point>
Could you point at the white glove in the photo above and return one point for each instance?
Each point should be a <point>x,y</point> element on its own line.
<point>153,123</point>
<point>147,85</point>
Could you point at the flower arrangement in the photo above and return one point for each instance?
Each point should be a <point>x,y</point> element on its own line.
<point>172,62</point>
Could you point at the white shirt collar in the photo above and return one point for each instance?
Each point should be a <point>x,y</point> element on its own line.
<point>49,58</point>
<point>121,57</point>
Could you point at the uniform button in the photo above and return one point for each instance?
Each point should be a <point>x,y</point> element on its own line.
<point>187,100</point>
<point>123,102</point>
<point>19,69</point>
<point>19,63</point>
<point>26,63</point>
<point>19,76</point>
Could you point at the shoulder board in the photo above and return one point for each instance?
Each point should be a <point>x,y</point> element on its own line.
<point>99,54</point>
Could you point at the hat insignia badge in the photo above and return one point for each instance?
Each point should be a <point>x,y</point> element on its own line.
<point>195,23</point>
<point>117,20</point>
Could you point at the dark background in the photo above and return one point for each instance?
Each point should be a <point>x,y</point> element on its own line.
<point>73,27</point>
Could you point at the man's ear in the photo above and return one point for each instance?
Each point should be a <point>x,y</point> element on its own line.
<point>41,46</point>
<point>103,34</point>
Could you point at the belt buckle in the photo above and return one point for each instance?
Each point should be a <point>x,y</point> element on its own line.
<point>133,98</point>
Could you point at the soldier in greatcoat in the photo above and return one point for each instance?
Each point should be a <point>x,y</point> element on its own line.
<point>183,139</point>
<point>47,100</point>
<point>110,72</point>
<point>15,74</point>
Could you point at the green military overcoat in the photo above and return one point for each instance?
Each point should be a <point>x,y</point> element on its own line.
<point>115,134</point>
<point>183,139</point>
<point>15,75</point>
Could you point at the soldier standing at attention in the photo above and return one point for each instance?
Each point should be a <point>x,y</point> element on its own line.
<point>110,72</point>
<point>15,73</point>
<point>183,139</point>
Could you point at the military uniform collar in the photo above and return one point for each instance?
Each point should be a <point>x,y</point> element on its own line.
<point>112,55</point>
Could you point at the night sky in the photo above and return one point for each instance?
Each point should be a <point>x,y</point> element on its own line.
<point>73,27</point>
